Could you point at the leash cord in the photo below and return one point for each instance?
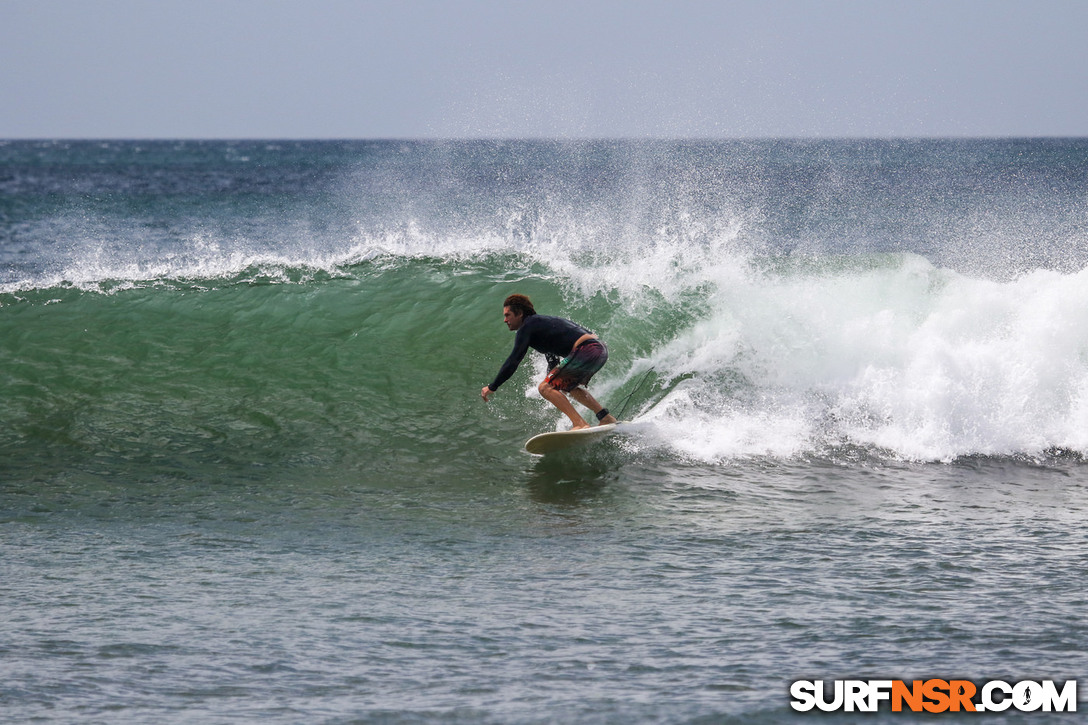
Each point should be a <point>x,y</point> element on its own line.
<point>637,388</point>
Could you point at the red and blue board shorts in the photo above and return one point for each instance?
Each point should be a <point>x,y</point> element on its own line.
<point>583,363</point>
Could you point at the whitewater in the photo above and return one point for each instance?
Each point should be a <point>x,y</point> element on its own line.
<point>245,471</point>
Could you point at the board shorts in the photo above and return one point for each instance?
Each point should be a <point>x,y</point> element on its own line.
<point>583,363</point>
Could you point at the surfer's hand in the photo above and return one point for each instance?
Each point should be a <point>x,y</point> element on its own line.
<point>486,392</point>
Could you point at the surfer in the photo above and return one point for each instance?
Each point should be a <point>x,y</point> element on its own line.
<point>574,355</point>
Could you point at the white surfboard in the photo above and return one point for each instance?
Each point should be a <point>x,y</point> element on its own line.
<point>558,440</point>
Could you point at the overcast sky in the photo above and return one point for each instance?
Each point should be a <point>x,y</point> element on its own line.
<point>546,68</point>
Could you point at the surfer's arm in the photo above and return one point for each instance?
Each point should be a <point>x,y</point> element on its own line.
<point>521,346</point>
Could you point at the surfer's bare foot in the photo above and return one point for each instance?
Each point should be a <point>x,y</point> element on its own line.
<point>580,427</point>
<point>608,419</point>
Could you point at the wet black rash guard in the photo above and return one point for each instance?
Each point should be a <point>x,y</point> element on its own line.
<point>553,336</point>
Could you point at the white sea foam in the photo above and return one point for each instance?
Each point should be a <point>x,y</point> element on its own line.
<point>904,358</point>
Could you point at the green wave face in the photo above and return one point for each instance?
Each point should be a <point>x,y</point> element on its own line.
<point>375,367</point>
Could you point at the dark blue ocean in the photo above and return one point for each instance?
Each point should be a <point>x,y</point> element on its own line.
<point>246,474</point>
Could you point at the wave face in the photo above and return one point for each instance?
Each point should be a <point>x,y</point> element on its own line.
<point>191,306</point>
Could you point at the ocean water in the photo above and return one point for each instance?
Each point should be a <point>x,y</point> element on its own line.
<point>245,472</point>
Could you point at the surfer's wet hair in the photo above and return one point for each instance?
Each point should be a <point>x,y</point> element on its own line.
<point>520,304</point>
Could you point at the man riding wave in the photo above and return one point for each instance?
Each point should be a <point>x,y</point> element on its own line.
<point>574,355</point>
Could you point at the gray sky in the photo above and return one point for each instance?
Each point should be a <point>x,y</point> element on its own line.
<point>548,68</point>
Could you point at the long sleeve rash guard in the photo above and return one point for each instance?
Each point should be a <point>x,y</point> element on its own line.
<point>553,336</point>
